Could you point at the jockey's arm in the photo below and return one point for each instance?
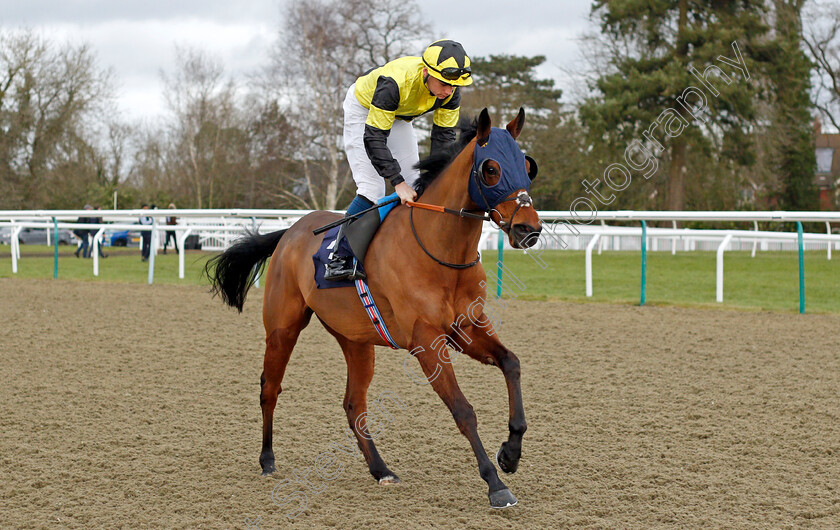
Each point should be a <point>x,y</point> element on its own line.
<point>445,121</point>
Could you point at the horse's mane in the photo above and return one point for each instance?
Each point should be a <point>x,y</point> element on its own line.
<point>432,166</point>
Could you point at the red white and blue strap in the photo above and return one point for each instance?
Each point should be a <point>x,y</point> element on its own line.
<point>373,313</point>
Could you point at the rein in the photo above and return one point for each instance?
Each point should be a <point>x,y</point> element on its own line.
<point>522,199</point>
<point>441,209</point>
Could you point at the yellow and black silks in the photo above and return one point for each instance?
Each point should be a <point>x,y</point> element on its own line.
<point>398,91</point>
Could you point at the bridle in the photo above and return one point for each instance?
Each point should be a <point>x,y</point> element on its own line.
<point>523,199</point>
<point>441,209</point>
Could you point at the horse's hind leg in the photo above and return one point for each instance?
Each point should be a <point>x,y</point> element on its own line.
<point>360,365</point>
<point>282,334</point>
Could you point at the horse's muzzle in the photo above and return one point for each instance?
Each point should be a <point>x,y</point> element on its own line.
<point>524,236</point>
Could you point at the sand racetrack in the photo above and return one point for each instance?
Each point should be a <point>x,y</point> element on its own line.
<point>137,406</point>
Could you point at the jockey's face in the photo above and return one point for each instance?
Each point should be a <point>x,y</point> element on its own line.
<point>438,88</point>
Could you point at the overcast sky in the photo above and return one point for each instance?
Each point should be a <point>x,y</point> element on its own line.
<point>136,38</point>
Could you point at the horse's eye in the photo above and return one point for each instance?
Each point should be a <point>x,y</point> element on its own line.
<point>491,170</point>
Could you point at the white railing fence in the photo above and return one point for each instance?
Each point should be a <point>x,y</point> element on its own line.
<point>216,229</point>
<point>564,230</point>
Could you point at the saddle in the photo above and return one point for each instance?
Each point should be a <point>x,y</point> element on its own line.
<point>358,234</point>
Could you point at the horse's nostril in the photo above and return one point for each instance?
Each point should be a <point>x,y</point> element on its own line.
<point>525,235</point>
<point>525,229</point>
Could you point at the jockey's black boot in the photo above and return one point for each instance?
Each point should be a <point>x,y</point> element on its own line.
<point>342,267</point>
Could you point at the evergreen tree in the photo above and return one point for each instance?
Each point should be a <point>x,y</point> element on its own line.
<point>503,83</point>
<point>679,80</point>
<point>794,140</point>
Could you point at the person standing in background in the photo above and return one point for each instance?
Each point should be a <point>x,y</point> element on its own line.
<point>146,235</point>
<point>171,221</point>
<point>84,235</point>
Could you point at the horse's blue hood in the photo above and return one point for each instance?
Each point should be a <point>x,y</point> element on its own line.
<point>502,148</point>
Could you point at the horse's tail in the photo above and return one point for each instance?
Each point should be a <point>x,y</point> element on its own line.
<point>232,272</point>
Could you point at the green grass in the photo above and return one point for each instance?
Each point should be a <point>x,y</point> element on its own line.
<point>121,265</point>
<point>769,281</point>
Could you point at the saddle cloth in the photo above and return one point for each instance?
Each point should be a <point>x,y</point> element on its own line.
<point>322,257</point>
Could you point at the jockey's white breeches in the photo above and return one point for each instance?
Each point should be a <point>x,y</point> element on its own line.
<point>402,143</point>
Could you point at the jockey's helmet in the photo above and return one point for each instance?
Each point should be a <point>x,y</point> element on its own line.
<point>447,61</point>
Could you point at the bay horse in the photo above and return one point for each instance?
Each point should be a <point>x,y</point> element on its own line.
<point>418,270</point>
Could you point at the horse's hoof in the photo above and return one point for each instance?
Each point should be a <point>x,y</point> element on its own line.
<point>507,468</point>
<point>502,499</point>
<point>269,470</point>
<point>389,480</point>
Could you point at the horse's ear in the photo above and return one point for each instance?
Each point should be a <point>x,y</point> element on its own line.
<point>483,132</point>
<point>515,126</point>
<point>531,167</point>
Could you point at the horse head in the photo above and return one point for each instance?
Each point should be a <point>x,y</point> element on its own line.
<point>501,178</point>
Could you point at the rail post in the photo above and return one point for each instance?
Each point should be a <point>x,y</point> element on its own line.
<point>589,248</point>
<point>719,269</point>
<point>97,244</point>
<point>828,231</point>
<point>16,247</point>
<point>801,267</point>
<point>674,240</point>
<point>152,250</point>
<point>644,263</point>
<point>181,237</point>
<point>55,248</point>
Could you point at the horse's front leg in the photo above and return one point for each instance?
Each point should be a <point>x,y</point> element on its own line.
<point>431,352</point>
<point>483,345</point>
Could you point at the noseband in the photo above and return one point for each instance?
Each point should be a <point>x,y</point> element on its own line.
<point>522,199</point>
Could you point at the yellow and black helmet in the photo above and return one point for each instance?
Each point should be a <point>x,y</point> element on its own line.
<point>447,61</point>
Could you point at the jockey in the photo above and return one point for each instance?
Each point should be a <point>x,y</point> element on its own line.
<point>378,136</point>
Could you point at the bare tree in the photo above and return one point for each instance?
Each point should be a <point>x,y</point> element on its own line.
<point>323,47</point>
<point>379,31</point>
<point>307,72</point>
<point>271,144</point>
<point>822,37</point>
<point>203,114</point>
<point>50,98</point>
<point>149,160</point>
<point>114,158</point>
